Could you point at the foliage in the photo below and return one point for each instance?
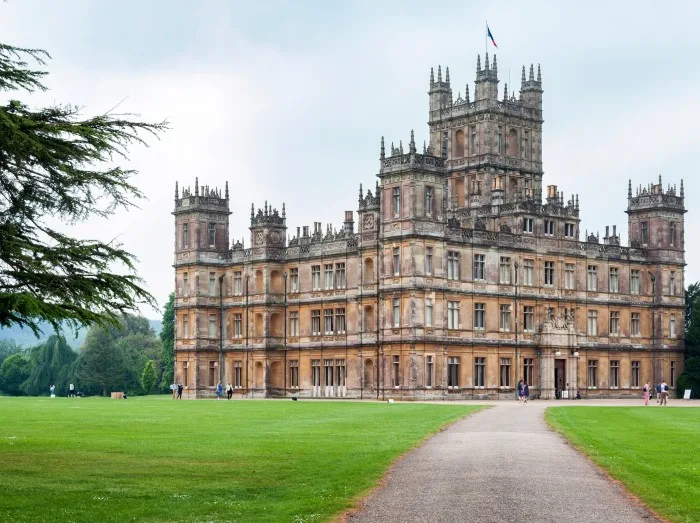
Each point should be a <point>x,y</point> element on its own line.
<point>148,457</point>
<point>50,363</point>
<point>692,320</point>
<point>8,348</point>
<point>13,372</point>
<point>167,339</point>
<point>58,166</point>
<point>690,379</point>
<point>148,376</point>
<point>652,450</point>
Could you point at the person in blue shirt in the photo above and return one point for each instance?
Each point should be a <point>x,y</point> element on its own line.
<point>219,391</point>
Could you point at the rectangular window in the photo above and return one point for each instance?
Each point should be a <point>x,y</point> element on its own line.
<point>316,323</point>
<point>453,315</point>
<point>479,372</point>
<point>473,146</point>
<point>645,233</point>
<point>528,272</point>
<point>672,283</point>
<point>634,324</point>
<point>504,320</point>
<point>672,327</point>
<point>237,374</point>
<point>428,260</point>
<point>328,271</point>
<point>185,236</point>
<point>328,321</point>
<point>397,312</point>
<point>634,281</point>
<point>212,234</point>
<point>185,369</point>
<point>316,277</point>
<point>672,234</point>
<point>185,327</point>
<point>212,284</point>
<point>504,270</point>
<point>614,374</point>
<point>479,313</point>
<point>529,318</point>
<point>593,323</point>
<point>316,373</point>
<point>212,325</point>
<point>340,320</point>
<point>479,262</point>
<point>294,323</point>
<point>529,370</point>
<point>453,372</point>
<point>238,325</point>
<point>428,312</point>
<point>528,225</point>
<point>505,372</point>
<point>499,140</point>
<point>340,373</point>
<point>212,373</point>
<point>614,281</point>
<point>397,201</point>
<point>452,265</point>
<point>237,283</point>
<point>396,257</point>
<point>549,227</point>
<point>549,274</point>
<point>569,229</point>
<point>614,323</point>
<point>294,280</point>
<point>185,284</point>
<point>592,374</point>
<point>429,371</point>
<point>294,373</point>
<point>328,368</point>
<point>428,201</point>
<point>339,275</point>
<point>526,145</point>
<point>592,281</point>
<point>570,277</point>
<point>634,378</point>
<point>395,370</point>
<point>673,374</point>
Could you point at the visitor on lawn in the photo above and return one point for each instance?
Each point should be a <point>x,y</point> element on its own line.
<point>646,393</point>
<point>526,392</point>
<point>658,392</point>
<point>71,391</point>
<point>664,393</point>
<point>52,390</point>
<point>229,391</point>
<point>520,390</point>
<point>179,391</point>
<point>219,391</point>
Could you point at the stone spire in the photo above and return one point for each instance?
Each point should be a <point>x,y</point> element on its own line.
<point>400,146</point>
<point>196,186</point>
<point>226,190</point>
<point>425,150</point>
<point>466,94</point>
<point>486,62</point>
<point>360,199</point>
<point>412,144</point>
<point>539,73</point>
<point>532,73</point>
<point>439,74</point>
<point>284,212</point>
<point>381,149</point>
<point>252,210</point>
<point>432,77</point>
<point>505,93</point>
<point>629,189</point>
<point>682,191</point>
<point>177,192</point>
<point>495,65</point>
<point>478,63</point>
<point>522,80</point>
<point>447,76</point>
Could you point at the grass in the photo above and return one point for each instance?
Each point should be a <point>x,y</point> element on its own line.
<point>94,459</point>
<point>654,452</point>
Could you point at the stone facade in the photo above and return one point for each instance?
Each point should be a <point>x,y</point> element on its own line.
<point>460,280</point>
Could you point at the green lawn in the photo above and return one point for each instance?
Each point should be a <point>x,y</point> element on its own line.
<point>155,459</point>
<point>654,451</point>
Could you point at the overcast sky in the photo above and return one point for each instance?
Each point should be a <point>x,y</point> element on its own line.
<point>288,100</point>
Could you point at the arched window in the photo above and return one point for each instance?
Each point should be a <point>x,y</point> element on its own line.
<point>368,319</point>
<point>459,144</point>
<point>368,275</point>
<point>259,324</point>
<point>259,282</point>
<point>276,285</point>
<point>512,144</point>
<point>276,327</point>
<point>369,374</point>
<point>259,378</point>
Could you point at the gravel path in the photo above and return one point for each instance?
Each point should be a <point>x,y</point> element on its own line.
<point>499,465</point>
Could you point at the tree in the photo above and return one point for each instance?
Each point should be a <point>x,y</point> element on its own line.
<point>690,379</point>
<point>14,370</point>
<point>148,376</point>
<point>102,368</point>
<point>8,348</point>
<point>57,164</point>
<point>167,338</point>
<point>51,362</point>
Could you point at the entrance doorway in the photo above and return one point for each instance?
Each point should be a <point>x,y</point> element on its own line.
<point>559,377</point>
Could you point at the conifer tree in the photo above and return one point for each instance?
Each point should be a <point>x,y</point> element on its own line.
<point>56,163</point>
<point>167,338</point>
<point>148,377</point>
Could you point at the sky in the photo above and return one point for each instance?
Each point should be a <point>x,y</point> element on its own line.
<point>287,101</point>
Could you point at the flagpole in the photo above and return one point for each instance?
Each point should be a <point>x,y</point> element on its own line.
<point>486,39</point>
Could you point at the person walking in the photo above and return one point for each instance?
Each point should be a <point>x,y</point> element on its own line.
<point>520,391</point>
<point>219,391</point>
<point>526,392</point>
<point>229,391</point>
<point>646,393</point>
<point>179,391</point>
<point>52,390</point>
<point>664,393</point>
<point>658,392</point>
<point>71,391</point>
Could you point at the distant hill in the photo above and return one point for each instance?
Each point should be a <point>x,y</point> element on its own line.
<point>25,337</point>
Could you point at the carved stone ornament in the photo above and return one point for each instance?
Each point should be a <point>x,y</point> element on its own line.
<point>368,222</point>
<point>275,238</point>
<point>259,238</point>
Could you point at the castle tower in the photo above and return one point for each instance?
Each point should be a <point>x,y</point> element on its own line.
<point>486,80</point>
<point>440,95</point>
<point>531,89</point>
<point>268,232</point>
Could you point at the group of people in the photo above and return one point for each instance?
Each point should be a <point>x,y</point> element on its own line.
<point>220,391</point>
<point>661,393</point>
<point>523,391</point>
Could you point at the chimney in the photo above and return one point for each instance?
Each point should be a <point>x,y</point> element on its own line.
<point>348,225</point>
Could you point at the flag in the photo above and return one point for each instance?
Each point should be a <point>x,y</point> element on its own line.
<point>488,32</point>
